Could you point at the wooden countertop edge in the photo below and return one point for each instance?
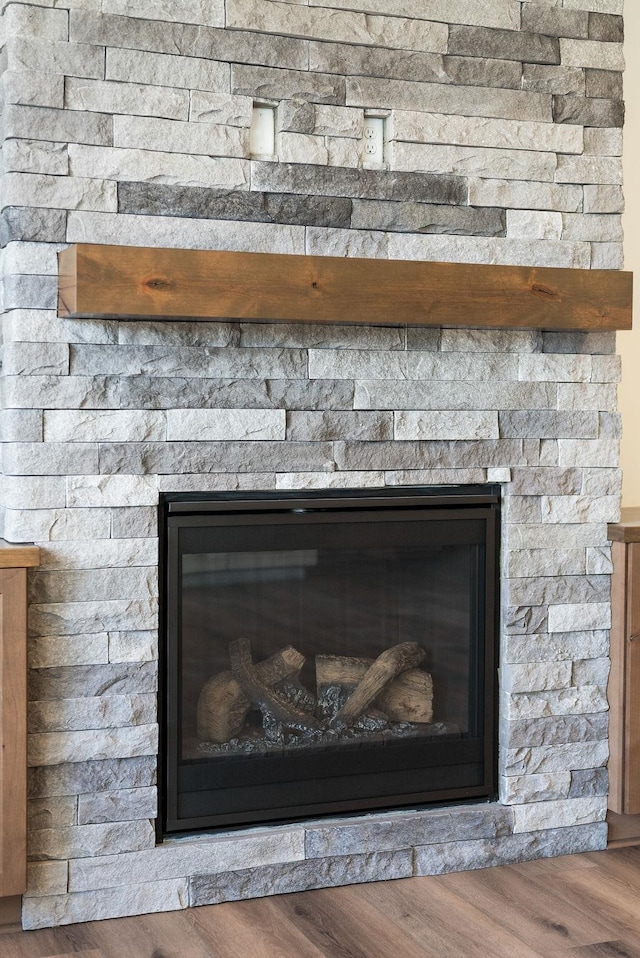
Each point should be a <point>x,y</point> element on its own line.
<point>628,529</point>
<point>18,556</point>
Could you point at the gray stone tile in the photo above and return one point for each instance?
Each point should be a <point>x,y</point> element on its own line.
<point>561,80</point>
<point>278,84</point>
<point>154,200</point>
<point>553,21</point>
<point>548,423</point>
<point>447,98</point>
<point>327,426</point>
<point>299,876</point>
<point>606,27</point>
<point>407,829</point>
<point>428,455</point>
<point>186,361</point>
<point>483,72</point>
<point>117,806</point>
<point>45,459</point>
<point>426,218</point>
<point>236,46</point>
<point>82,841</point>
<point>134,522</point>
<point>208,457</point>
<point>321,336</point>
<point>32,225</point>
<point>569,341</point>
<point>588,112</point>
<point>59,126</point>
<point>303,178</point>
<point>525,619</point>
<point>555,730</point>
<point>74,681</point>
<point>30,292</point>
<point>589,783</point>
<point>95,776</point>
<point>606,84</point>
<point>547,590</point>
<point>378,394</point>
<point>503,44</point>
<point>451,857</point>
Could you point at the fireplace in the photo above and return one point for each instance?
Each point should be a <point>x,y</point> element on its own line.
<point>328,652</point>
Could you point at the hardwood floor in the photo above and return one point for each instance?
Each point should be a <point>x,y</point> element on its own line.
<point>582,906</point>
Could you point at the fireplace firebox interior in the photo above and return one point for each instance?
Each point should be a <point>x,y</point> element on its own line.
<point>327,652</point>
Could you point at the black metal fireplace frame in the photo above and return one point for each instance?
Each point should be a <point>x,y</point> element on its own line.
<point>475,758</point>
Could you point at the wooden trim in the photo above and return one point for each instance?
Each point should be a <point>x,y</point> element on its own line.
<point>18,556</point>
<point>121,282</point>
<point>616,685</point>
<point>13,731</point>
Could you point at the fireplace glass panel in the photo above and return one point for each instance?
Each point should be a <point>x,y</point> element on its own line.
<point>327,654</point>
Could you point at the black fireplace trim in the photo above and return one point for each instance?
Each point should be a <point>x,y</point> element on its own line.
<point>479,758</point>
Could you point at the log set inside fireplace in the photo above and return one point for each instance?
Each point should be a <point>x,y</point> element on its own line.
<point>327,652</point>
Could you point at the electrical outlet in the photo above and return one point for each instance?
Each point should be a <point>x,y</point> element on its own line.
<point>373,140</point>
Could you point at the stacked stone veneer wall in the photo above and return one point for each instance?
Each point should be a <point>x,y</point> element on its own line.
<point>122,125</point>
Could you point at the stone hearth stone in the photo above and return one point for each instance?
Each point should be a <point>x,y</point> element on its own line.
<point>299,876</point>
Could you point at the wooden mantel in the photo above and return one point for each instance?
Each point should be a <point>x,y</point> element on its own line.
<point>123,282</point>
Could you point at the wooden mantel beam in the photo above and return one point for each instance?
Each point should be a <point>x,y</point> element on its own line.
<point>121,282</point>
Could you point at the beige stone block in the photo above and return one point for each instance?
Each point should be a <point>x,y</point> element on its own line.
<point>449,425</point>
<point>580,508</point>
<point>58,192</point>
<point>171,232</point>
<point>171,169</point>
<point>593,54</point>
<point>500,13</point>
<point>105,711</point>
<point>558,368</point>
<point>211,107</point>
<point>523,789</point>
<point>506,134</point>
<point>66,425</point>
<point>175,136</point>
<point>588,452</point>
<point>127,98</point>
<point>208,13</point>
<point>535,676</point>
<point>213,424</point>
<point>148,898</point>
<point>335,480</point>
<point>558,814</point>
<point>534,224</point>
<point>322,23</point>
<point>82,841</point>
<point>587,700</point>
<point>133,646</point>
<point>206,855</point>
<point>100,554</point>
<point>581,616</point>
<point>589,169</point>
<point>50,651</point>
<point>57,748</point>
<point>302,148</point>
<point>60,618</point>
<point>603,141</point>
<point>474,161</point>
<point>46,878</point>
<point>525,196</point>
<point>480,249</point>
<point>54,525</point>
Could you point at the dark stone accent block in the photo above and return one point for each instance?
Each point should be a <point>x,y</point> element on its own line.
<point>607,27</point>
<point>97,776</point>
<point>427,218</point>
<point>407,829</point>
<point>150,392</point>
<point>34,225</point>
<point>327,426</point>
<point>152,199</point>
<point>299,876</point>
<point>547,843</point>
<point>604,84</point>
<point>304,178</point>
<point>588,112</point>
<point>554,22</point>
<point>595,344</point>
<point>589,783</point>
<point>548,424</point>
<point>173,458</point>
<point>274,84</point>
<point>185,39</point>
<point>80,681</point>
<point>503,44</point>
<point>556,730</point>
<point>347,60</point>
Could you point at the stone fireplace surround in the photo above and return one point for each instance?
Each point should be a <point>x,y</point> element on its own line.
<point>101,416</point>
<point>552,444</point>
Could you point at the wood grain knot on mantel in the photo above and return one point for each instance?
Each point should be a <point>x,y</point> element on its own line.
<point>120,282</point>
